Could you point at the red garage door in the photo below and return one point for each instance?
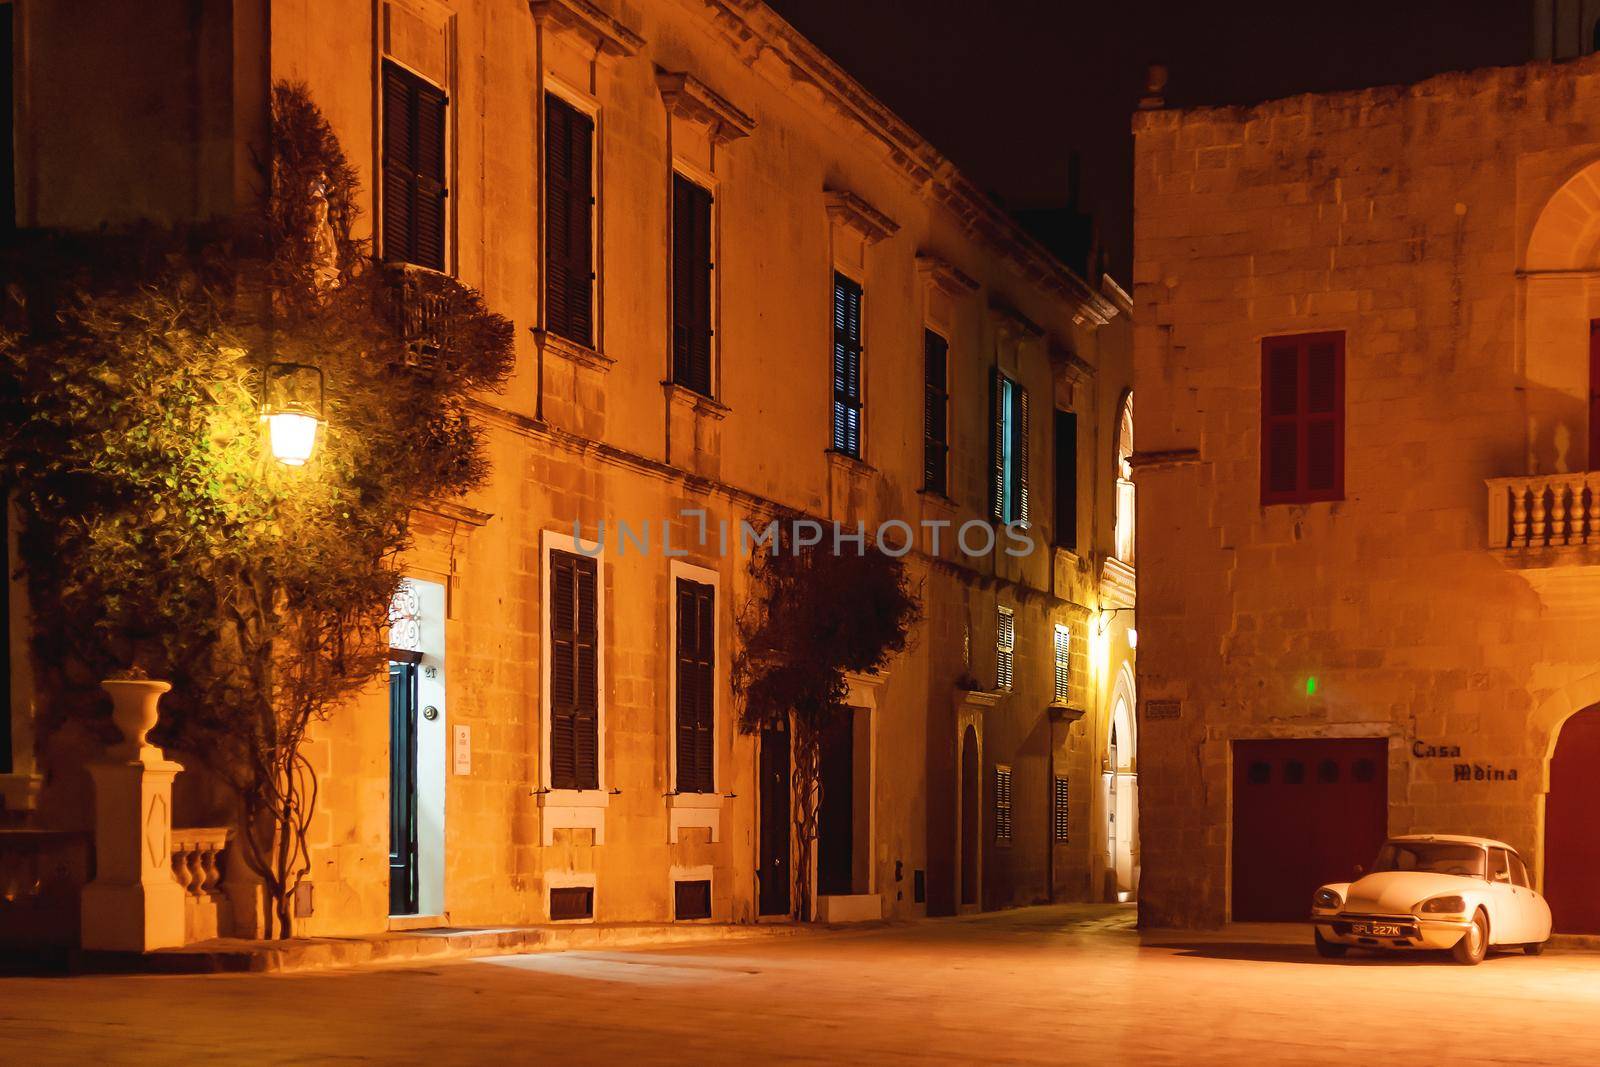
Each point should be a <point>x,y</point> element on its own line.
<point>1571,836</point>
<point>1305,812</point>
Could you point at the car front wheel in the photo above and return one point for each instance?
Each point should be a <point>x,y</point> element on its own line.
<point>1474,944</point>
<point>1330,950</point>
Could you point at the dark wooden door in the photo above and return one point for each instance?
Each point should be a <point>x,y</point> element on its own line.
<point>402,788</point>
<point>774,874</point>
<point>1571,833</point>
<point>1305,811</point>
<point>836,813</point>
<point>971,816</point>
<point>1594,395</point>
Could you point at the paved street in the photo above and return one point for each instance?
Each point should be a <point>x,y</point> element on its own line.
<point>1061,985</point>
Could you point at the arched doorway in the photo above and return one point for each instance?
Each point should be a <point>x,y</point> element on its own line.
<point>1571,839</point>
<point>1121,774</point>
<point>1125,518</point>
<point>971,813</point>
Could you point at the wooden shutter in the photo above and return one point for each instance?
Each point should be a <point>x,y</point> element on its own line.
<point>696,666</point>
<point>414,154</point>
<point>569,221</point>
<point>574,673</point>
<point>1005,647</point>
<point>998,404</point>
<point>1002,805</point>
<point>691,899</point>
<point>1019,455</point>
<point>1061,810</point>
<point>1063,664</point>
<point>846,366</point>
<point>1302,418</point>
<point>1066,473</point>
<point>691,285</point>
<point>935,411</point>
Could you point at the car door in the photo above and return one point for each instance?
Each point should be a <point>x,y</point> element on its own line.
<point>1535,911</point>
<point>1506,920</point>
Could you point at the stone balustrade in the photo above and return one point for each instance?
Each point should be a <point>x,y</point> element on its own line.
<point>41,874</point>
<point>197,858</point>
<point>1539,511</point>
<point>198,864</point>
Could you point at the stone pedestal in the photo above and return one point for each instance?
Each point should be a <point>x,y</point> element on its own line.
<point>134,904</point>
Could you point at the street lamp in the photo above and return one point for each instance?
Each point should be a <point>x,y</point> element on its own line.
<point>292,408</point>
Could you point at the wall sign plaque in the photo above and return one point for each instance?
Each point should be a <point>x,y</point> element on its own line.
<point>1163,709</point>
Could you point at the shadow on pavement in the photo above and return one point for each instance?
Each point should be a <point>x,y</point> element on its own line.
<point>1259,952</point>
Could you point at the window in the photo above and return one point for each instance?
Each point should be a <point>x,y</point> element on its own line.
<point>1002,805</point>
<point>1302,418</point>
<point>569,221</point>
<point>1499,866</point>
<point>1124,544</point>
<point>846,366</point>
<point>1008,450</point>
<point>574,673</point>
<point>1005,647</point>
<point>413,168</point>
<point>1066,495</point>
<point>1063,664</point>
<point>1060,810</point>
<point>935,412</point>
<point>691,899</point>
<point>696,660</point>
<point>1519,872</point>
<point>691,285</point>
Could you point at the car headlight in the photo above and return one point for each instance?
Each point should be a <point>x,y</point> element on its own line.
<point>1444,906</point>
<point>1326,899</point>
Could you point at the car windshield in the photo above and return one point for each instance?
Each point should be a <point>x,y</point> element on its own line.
<point>1434,857</point>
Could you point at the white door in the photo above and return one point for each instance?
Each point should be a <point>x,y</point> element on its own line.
<point>1507,924</point>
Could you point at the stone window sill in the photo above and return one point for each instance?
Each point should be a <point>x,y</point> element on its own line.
<point>702,405</point>
<point>852,464</point>
<point>694,800</point>
<point>583,355</point>
<point>574,798</point>
<point>694,809</point>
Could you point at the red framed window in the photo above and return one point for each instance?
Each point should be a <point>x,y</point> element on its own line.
<point>1302,418</point>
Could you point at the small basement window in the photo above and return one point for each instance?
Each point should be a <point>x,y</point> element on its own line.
<point>691,899</point>
<point>572,902</point>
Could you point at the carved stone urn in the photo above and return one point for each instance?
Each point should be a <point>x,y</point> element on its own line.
<point>134,707</point>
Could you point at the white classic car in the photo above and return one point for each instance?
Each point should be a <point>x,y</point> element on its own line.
<point>1434,891</point>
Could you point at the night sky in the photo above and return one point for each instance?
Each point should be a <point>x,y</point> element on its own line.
<point>1009,89</point>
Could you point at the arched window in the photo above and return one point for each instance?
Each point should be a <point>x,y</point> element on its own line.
<point>1125,515</point>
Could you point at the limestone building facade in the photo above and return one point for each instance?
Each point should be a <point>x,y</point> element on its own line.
<point>741,285</point>
<point>1366,362</point>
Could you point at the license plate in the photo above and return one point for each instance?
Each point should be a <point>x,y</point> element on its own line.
<point>1375,929</point>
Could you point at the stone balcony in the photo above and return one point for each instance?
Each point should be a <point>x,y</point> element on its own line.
<point>1546,527</point>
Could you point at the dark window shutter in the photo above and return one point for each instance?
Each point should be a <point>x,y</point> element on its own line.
<point>1302,418</point>
<point>696,667</point>
<point>571,902</point>
<point>569,221</point>
<point>414,151</point>
<point>1066,472</point>
<point>1019,455</point>
<point>846,366</point>
<point>691,900</point>
<point>1061,816</point>
<point>691,285</point>
<point>935,411</point>
<point>574,673</point>
<point>997,446</point>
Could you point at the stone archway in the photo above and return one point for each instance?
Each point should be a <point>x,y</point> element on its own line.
<point>1120,773</point>
<point>1571,854</point>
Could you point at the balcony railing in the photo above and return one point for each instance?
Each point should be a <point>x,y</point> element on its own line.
<point>1540,511</point>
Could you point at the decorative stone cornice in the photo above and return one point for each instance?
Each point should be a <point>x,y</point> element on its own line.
<point>607,36</point>
<point>944,275</point>
<point>1119,585</point>
<point>1069,364</point>
<point>850,210</point>
<point>1014,324</point>
<point>778,52</point>
<point>688,97</point>
<point>1171,457</point>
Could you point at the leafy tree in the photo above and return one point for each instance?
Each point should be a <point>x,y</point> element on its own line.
<point>157,532</point>
<point>814,615</point>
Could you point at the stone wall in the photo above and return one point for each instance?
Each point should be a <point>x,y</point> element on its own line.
<point>1404,217</point>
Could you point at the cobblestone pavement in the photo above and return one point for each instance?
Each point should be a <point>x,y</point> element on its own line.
<point>1072,984</point>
